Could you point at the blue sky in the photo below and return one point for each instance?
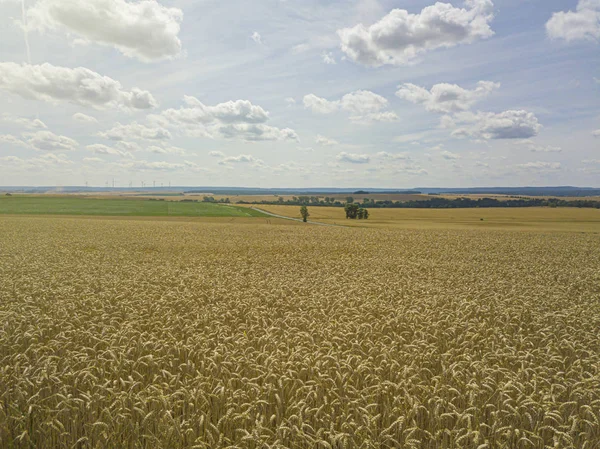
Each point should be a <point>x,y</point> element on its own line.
<point>290,93</point>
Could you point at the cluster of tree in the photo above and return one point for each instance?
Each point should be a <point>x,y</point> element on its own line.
<point>354,211</point>
<point>301,201</point>
<point>436,202</point>
<point>211,199</point>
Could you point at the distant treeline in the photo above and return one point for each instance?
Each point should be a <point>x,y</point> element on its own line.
<point>434,203</point>
<point>390,192</point>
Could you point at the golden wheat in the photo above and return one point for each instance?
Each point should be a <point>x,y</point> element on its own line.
<point>142,334</point>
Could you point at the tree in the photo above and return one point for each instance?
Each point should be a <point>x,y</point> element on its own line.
<point>351,210</point>
<point>361,213</point>
<point>366,214</point>
<point>349,199</point>
<point>304,213</point>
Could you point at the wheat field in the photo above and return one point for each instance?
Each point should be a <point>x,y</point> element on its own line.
<point>188,334</point>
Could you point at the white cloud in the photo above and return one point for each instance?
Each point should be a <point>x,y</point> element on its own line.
<point>399,37</point>
<point>540,166</point>
<point>290,101</point>
<point>83,118</point>
<point>393,156</point>
<point>256,37</point>
<point>357,102</point>
<point>488,125</point>
<point>409,138</point>
<point>23,121</point>
<point>320,105</point>
<point>135,131</point>
<point>387,116</point>
<point>328,58</point>
<point>242,158</point>
<point>151,166</point>
<point>166,150</point>
<point>596,133</point>
<point>79,86</point>
<point>363,102</point>
<point>353,158</point>
<point>12,140</point>
<point>326,141</point>
<point>216,154</point>
<point>256,133</point>
<point>446,98</point>
<point>537,148</point>
<point>144,29</point>
<point>128,146</point>
<point>46,161</point>
<point>365,106</point>
<point>449,155</point>
<point>233,119</point>
<point>103,149</point>
<point>48,141</point>
<point>581,24</point>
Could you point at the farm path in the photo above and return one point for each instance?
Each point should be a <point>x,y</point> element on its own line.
<point>298,219</point>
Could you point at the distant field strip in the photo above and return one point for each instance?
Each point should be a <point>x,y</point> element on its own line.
<point>543,219</point>
<point>118,207</point>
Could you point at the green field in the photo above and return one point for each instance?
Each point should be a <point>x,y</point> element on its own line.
<point>36,205</point>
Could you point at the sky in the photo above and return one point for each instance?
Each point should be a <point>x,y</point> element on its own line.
<point>300,93</point>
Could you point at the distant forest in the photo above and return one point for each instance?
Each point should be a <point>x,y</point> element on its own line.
<point>434,203</point>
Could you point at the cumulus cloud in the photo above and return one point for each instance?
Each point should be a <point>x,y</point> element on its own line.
<point>540,166</point>
<point>363,105</point>
<point>596,133</point>
<point>393,156</point>
<point>581,24</point>
<point>83,118</point>
<point>233,119</point>
<point>399,37</point>
<point>357,102</point>
<point>256,133</point>
<point>446,98</point>
<point>320,105</point>
<point>448,155</point>
<point>216,154</point>
<point>328,58</point>
<point>48,141</point>
<point>105,150</point>
<point>54,161</point>
<point>242,158</point>
<point>79,86</point>
<point>256,37</point>
<point>144,30</point>
<point>353,158</point>
<point>9,139</point>
<point>537,148</point>
<point>166,150</point>
<point>488,125</point>
<point>326,141</point>
<point>135,131</point>
<point>23,122</point>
